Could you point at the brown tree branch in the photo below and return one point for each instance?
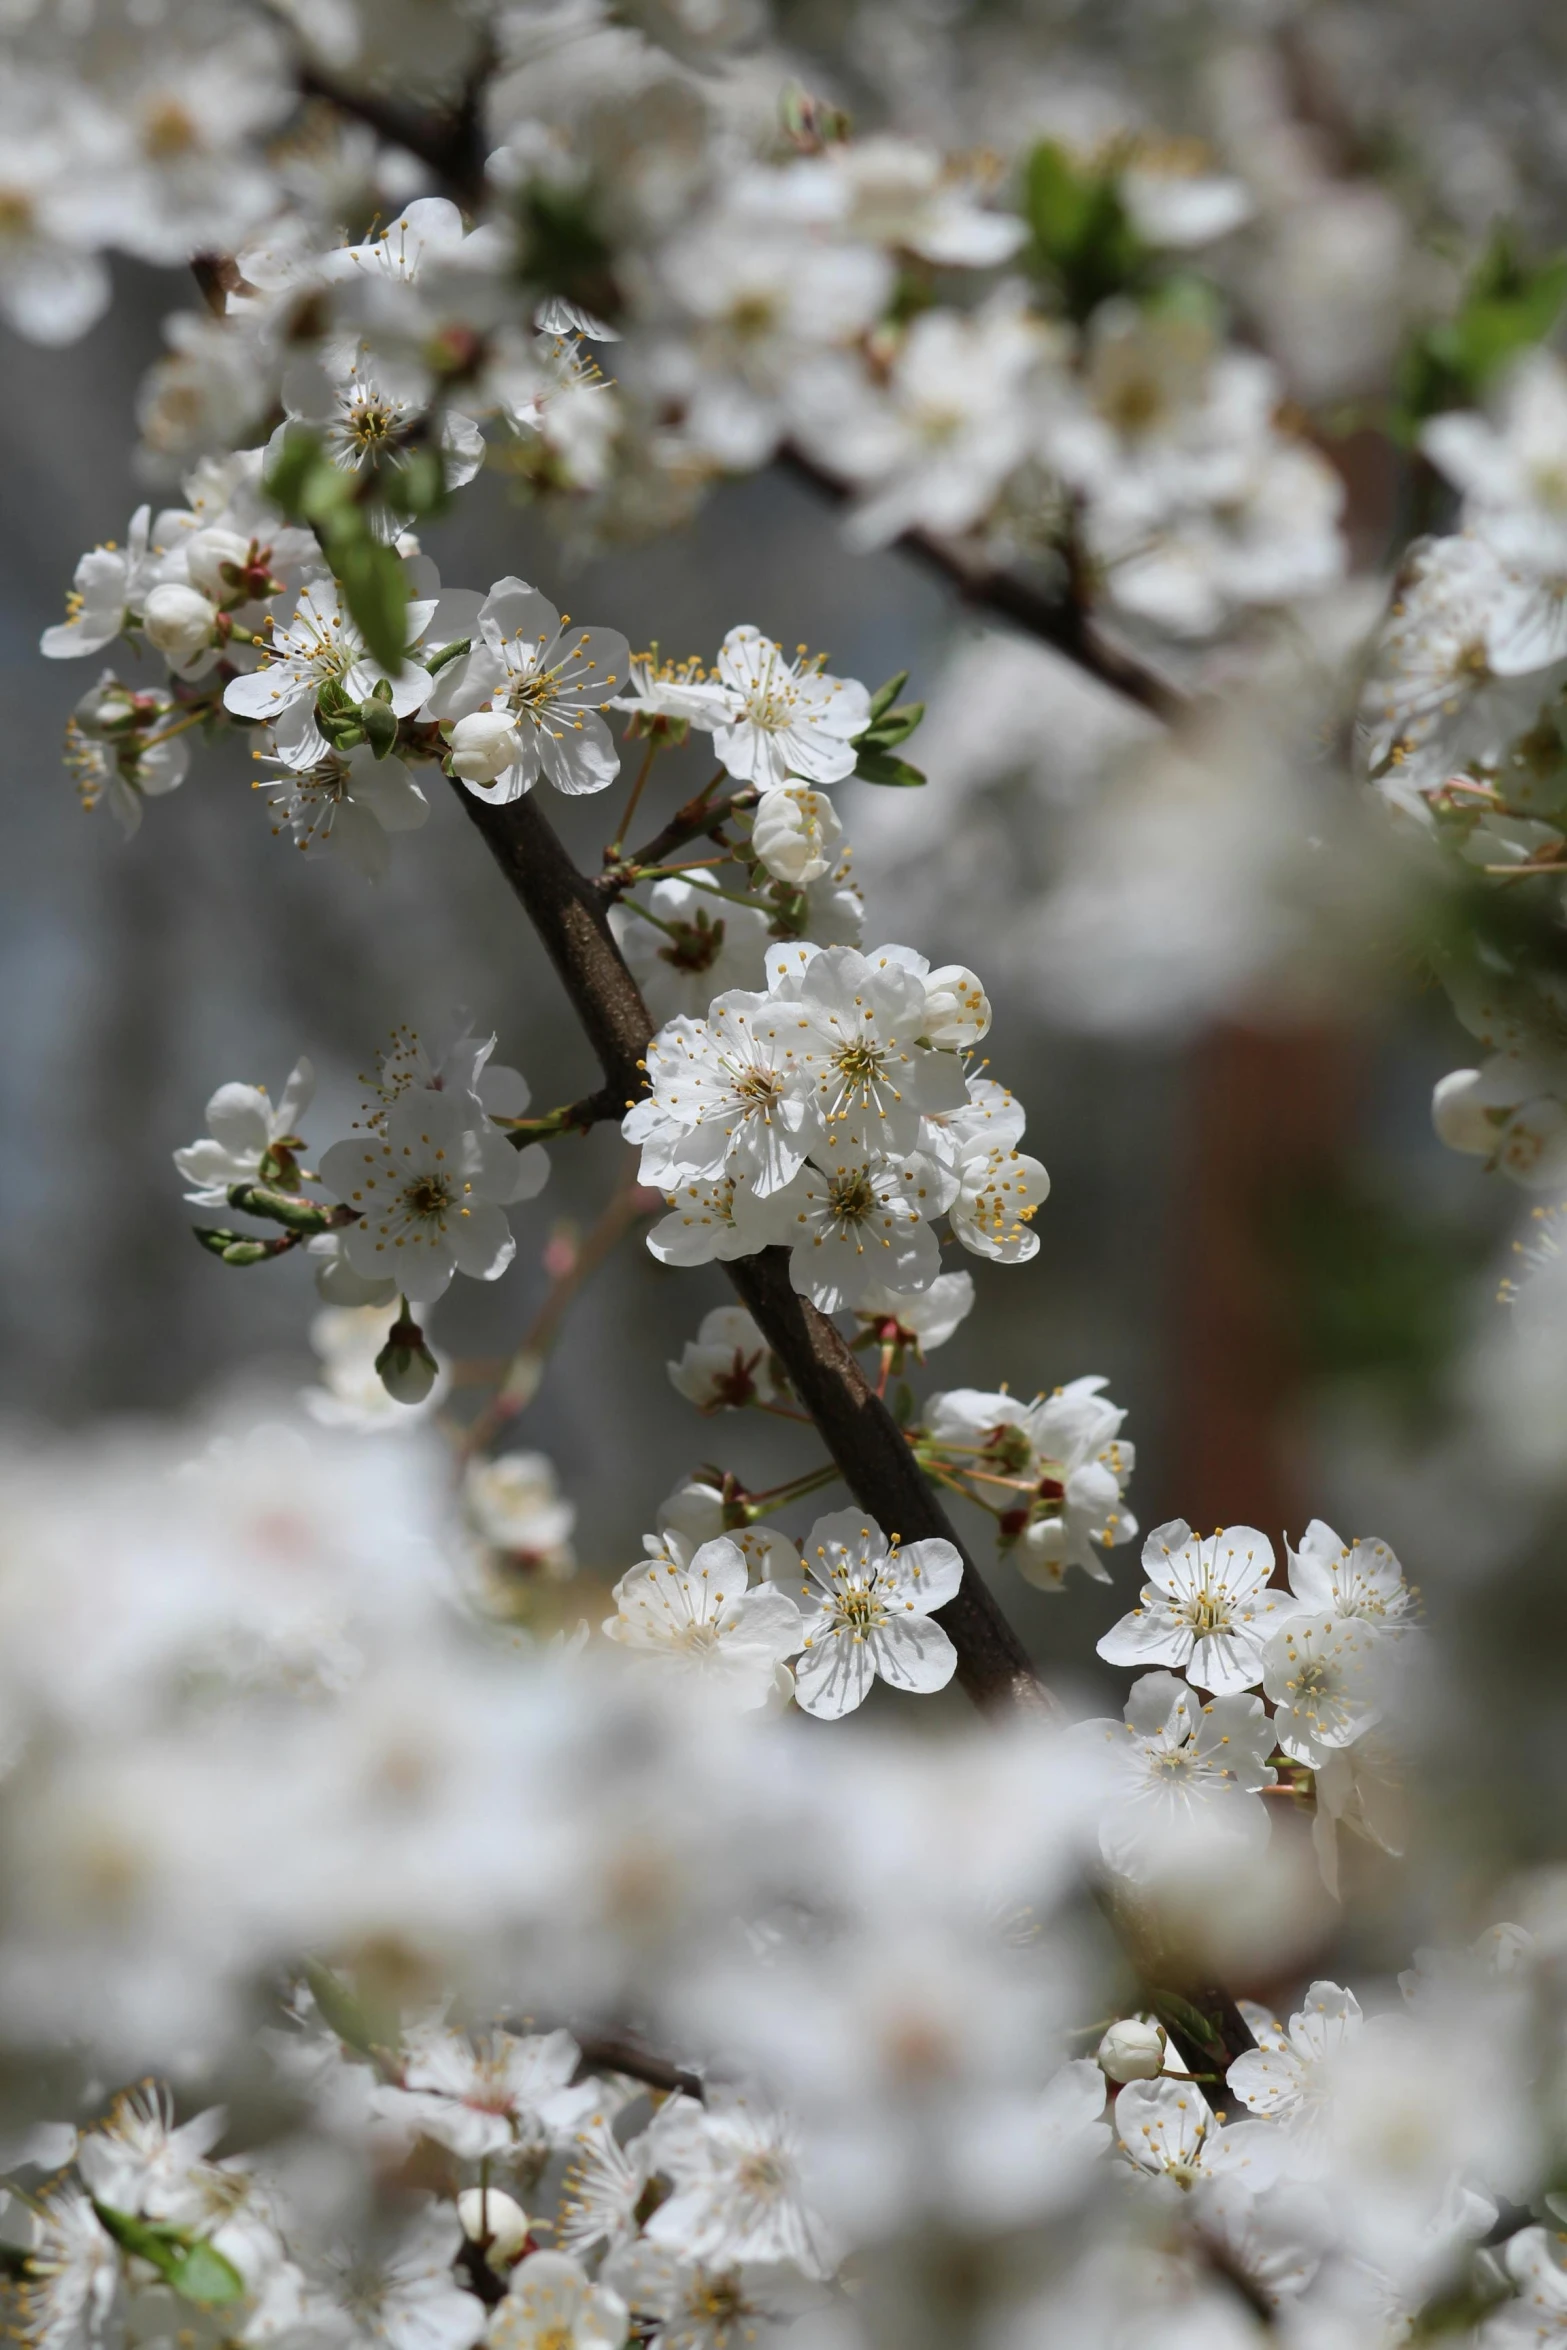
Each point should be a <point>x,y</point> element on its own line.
<point>569,915</point>
<point>1064,623</point>
<point>614,2052</point>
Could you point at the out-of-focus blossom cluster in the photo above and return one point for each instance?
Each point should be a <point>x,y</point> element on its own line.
<point>601,2008</point>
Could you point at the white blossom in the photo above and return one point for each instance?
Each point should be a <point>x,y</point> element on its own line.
<point>700,1620</point>
<point>868,1614</point>
<point>727,1365</point>
<point>530,693</point>
<point>245,1128</point>
<point>496,2094</point>
<point>427,1192</point>
<point>791,718</point>
<point>320,646</point>
<point>1205,1609</point>
<point>1181,1773</point>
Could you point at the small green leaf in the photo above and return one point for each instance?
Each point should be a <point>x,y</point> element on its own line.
<point>192,2267</point>
<point>1188,2023</point>
<point>1084,240</point>
<point>876,766</point>
<point>347,2016</point>
<point>895,726</point>
<point>884,696</point>
<point>375,588</point>
<point>291,468</point>
<point>204,2275</point>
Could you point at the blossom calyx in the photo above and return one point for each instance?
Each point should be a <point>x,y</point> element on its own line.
<point>1132,2050</point>
<point>378,720</point>
<point>406,1367</point>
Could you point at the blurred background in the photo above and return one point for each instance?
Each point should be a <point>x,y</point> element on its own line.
<point>1253,1233</point>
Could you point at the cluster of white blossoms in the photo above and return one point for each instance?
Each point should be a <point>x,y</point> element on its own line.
<point>253,1731</point>
<point>420,1189</point>
<point>1192,1755</point>
<point>832,1113</point>
<point>655,281</point>
<point>569,1989</point>
<point>1463,722</point>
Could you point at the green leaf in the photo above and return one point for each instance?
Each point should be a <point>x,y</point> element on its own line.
<point>194,2268</point>
<point>375,589</point>
<point>288,472</point>
<point>876,766</point>
<point>204,2275</point>
<point>417,487</point>
<point>1188,2023</point>
<point>1507,305</point>
<point>347,2016</point>
<point>1084,240</point>
<point>894,727</point>
<point>885,695</point>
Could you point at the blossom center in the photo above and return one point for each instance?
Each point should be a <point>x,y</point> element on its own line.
<point>851,1198</point>
<point>427,1197</point>
<point>168,131</point>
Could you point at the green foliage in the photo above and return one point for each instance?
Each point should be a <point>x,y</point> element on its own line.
<point>1508,304</point>
<point>1378,1290</point>
<point>1084,244</point>
<point>235,1248</point>
<point>1189,2024</point>
<point>194,2268</point>
<point>367,2033</point>
<point>561,248</point>
<point>891,723</point>
<point>303,481</point>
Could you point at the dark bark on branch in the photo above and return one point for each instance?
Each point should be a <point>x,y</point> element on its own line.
<point>1062,622</point>
<point>695,821</point>
<point>569,915</point>
<point>449,142</point>
<point>611,2052</point>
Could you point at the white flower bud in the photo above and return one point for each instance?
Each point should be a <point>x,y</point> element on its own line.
<point>795,832</point>
<point>484,745</point>
<point>494,2220</point>
<point>1461,1114</point>
<point>957,1009</point>
<point>1132,2050</point>
<point>206,552</point>
<point>179,621</point>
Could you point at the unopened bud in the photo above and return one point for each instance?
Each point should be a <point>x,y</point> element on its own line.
<point>493,2221</point>
<point>379,721</point>
<point>212,560</point>
<point>1462,1116</point>
<point>179,621</point>
<point>957,1009</point>
<point>484,745</point>
<point>405,1365</point>
<point>288,1208</point>
<point>233,1247</point>
<point>1132,2050</point>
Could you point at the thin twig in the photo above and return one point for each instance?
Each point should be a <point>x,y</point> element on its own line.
<point>521,1382</point>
